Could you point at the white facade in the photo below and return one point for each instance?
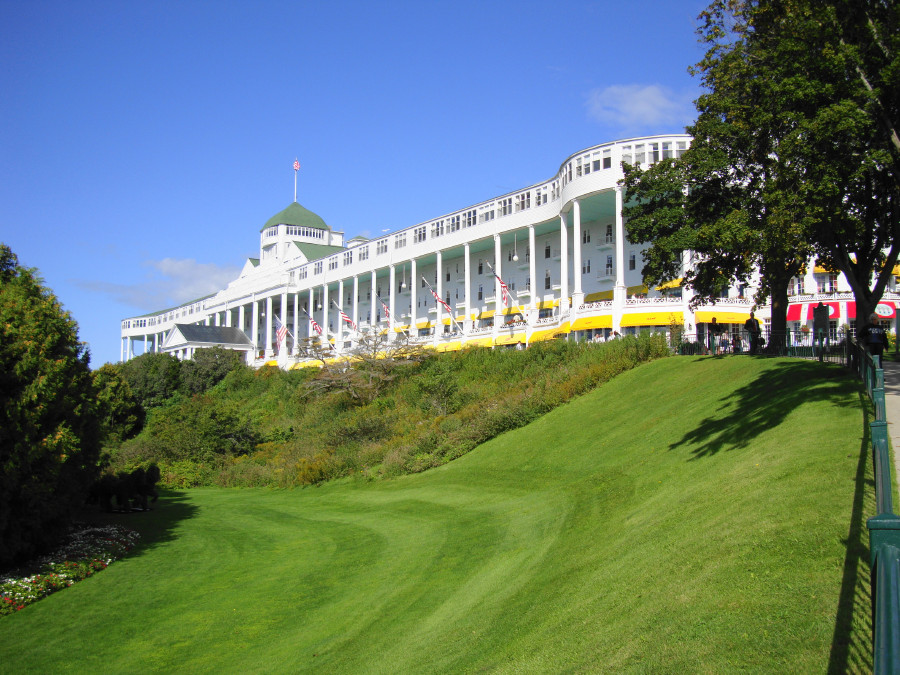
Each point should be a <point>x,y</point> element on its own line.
<point>559,246</point>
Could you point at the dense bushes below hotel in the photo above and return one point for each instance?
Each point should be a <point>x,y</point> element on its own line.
<point>269,427</point>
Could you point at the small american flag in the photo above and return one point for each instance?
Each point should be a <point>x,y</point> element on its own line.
<point>347,319</point>
<point>280,332</point>
<point>296,165</point>
<point>313,323</point>
<point>438,298</point>
<point>387,312</point>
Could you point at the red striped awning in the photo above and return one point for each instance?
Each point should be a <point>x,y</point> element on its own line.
<point>886,309</point>
<point>794,311</point>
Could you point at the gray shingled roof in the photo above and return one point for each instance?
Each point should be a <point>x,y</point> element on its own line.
<point>217,335</point>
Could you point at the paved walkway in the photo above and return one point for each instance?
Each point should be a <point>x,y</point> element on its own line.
<point>892,406</point>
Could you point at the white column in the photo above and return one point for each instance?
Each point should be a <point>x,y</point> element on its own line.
<point>619,288</point>
<point>532,268</point>
<point>498,296</point>
<point>241,318</point>
<point>312,308</point>
<point>467,286</point>
<point>340,321</point>
<point>577,293</point>
<point>227,316</point>
<point>325,310</point>
<point>254,327</point>
<point>269,326</point>
<point>392,279</point>
<point>122,349</point>
<point>284,321</point>
<point>413,296</point>
<point>355,315</point>
<point>439,321</point>
<point>563,264</point>
<point>296,323</point>
<point>374,309</point>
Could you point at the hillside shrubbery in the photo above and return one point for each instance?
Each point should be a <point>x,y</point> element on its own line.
<point>278,428</point>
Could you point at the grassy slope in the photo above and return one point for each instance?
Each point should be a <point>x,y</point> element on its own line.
<point>692,515</point>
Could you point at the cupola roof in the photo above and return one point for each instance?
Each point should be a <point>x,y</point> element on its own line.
<point>295,214</point>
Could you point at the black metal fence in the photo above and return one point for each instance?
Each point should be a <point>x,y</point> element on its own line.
<point>796,344</point>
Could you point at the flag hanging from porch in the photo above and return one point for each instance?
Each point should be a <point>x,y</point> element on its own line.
<point>344,317</point>
<point>280,332</point>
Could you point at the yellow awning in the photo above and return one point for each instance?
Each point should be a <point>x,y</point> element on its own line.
<point>546,304</point>
<point>722,317</point>
<point>652,318</point>
<point>592,322</point>
<point>486,314</point>
<point>515,309</point>
<point>640,288</point>
<point>480,342</point>
<point>550,333</point>
<point>423,324</point>
<point>510,339</point>
<point>598,296</point>
<point>271,363</point>
<point>675,283</point>
<point>449,346</point>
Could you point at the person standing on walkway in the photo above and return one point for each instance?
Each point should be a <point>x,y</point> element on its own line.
<point>874,337</point>
<point>751,325</point>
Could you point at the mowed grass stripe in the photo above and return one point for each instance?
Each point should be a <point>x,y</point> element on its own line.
<point>693,514</point>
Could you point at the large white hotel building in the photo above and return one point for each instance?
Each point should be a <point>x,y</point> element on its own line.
<point>560,246</point>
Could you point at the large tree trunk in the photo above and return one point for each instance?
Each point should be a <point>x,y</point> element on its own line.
<point>778,335</point>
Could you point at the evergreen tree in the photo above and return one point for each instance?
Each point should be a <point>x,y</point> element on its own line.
<point>49,431</point>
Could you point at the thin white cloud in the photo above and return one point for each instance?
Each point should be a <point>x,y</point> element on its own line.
<point>169,282</point>
<point>635,107</point>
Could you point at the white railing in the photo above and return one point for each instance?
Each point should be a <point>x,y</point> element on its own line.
<point>600,304</point>
<point>653,301</point>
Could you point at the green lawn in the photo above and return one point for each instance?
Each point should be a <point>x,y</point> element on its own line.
<point>695,515</point>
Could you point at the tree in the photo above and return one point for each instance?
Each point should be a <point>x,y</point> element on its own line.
<point>208,367</point>
<point>787,158</point>
<point>363,372</point>
<point>153,377</point>
<point>121,415</point>
<point>49,428</point>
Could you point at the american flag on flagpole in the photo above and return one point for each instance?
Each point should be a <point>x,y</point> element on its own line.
<point>313,323</point>
<point>438,298</point>
<point>387,312</point>
<point>296,165</point>
<point>504,289</point>
<point>280,332</point>
<point>346,318</point>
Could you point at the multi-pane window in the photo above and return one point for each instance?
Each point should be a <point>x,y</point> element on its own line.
<point>381,246</point>
<point>667,149</point>
<point>795,287</point>
<point>272,232</point>
<point>547,280</point>
<point>607,158</point>
<point>639,156</point>
<point>333,263</point>
<point>506,206</point>
<point>480,292</point>
<point>470,217</point>
<point>419,234</point>
<point>437,228</point>
<point>455,223</point>
<point>626,154</point>
<point>480,266</point>
<point>609,264</point>
<point>609,234</point>
<point>486,215</point>
<point>523,201</point>
<point>585,236</point>
<point>653,152</point>
<point>317,269</point>
<point>348,258</point>
<point>826,283</point>
<point>301,273</point>
<point>363,252</point>
<point>586,267</point>
<point>547,250</point>
<point>400,240</point>
<point>680,148</point>
<point>632,261</point>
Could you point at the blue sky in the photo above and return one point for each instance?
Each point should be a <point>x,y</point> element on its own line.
<point>143,145</point>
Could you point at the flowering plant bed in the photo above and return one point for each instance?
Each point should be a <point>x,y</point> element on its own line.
<point>87,549</point>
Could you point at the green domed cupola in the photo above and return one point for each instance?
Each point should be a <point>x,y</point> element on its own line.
<point>296,215</point>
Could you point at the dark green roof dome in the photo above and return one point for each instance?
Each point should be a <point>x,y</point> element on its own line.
<point>296,215</point>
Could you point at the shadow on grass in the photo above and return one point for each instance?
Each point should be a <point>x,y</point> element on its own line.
<point>851,650</point>
<point>762,404</point>
<point>155,526</point>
